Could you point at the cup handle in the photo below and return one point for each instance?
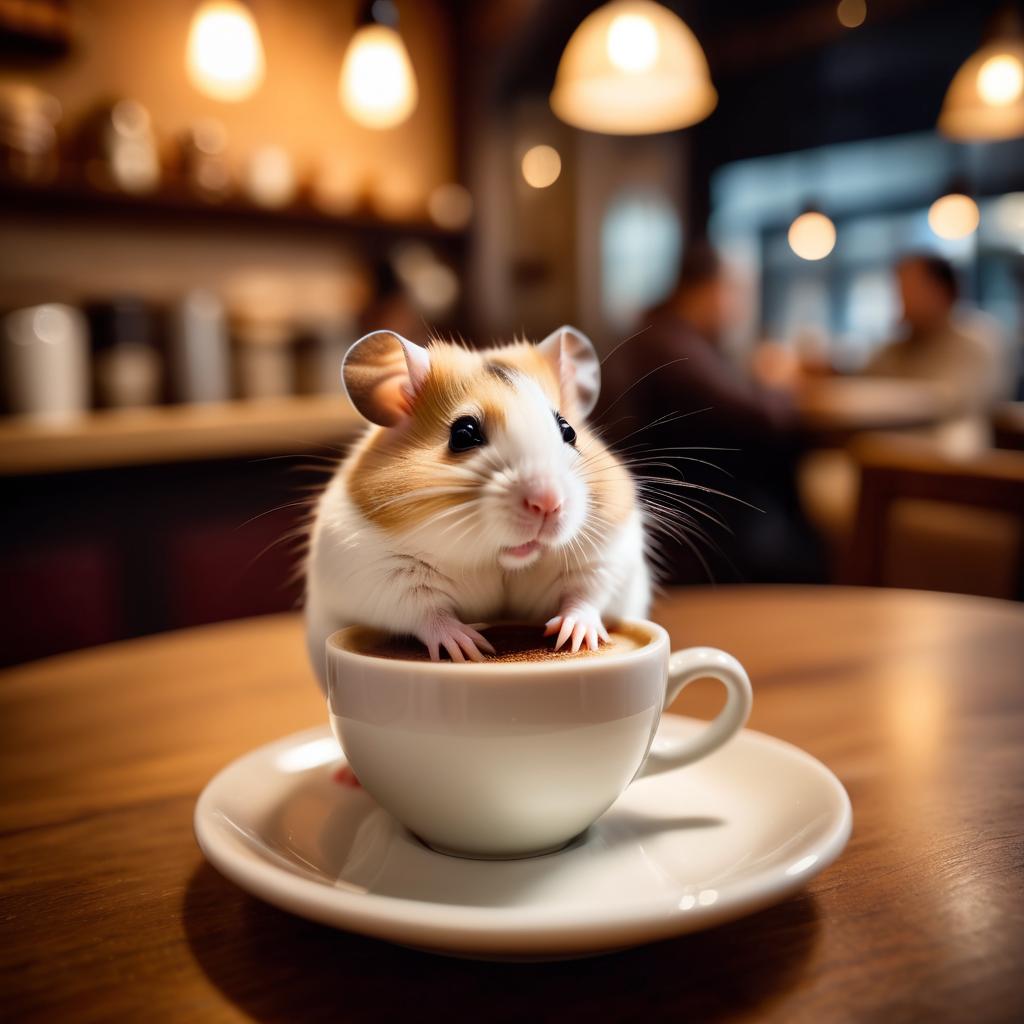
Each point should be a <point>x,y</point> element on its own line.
<point>683,668</point>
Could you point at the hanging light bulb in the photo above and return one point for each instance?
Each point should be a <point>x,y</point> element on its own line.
<point>224,55</point>
<point>953,216</point>
<point>632,67</point>
<point>985,100</point>
<point>812,236</point>
<point>377,85</point>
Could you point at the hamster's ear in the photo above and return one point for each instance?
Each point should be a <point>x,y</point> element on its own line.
<point>383,373</point>
<point>576,366</point>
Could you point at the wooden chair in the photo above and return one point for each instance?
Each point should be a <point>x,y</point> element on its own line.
<point>932,521</point>
<point>1008,426</point>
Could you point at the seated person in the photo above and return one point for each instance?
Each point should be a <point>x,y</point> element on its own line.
<point>688,402</point>
<point>941,344</point>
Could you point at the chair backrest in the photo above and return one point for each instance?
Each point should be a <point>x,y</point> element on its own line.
<point>1008,426</point>
<point>900,470</point>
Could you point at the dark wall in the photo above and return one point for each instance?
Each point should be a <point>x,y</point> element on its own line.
<point>88,558</point>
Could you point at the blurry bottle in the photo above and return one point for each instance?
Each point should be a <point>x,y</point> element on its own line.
<point>121,149</point>
<point>199,359</point>
<point>270,177</point>
<point>28,133</point>
<point>203,156</point>
<point>319,352</point>
<point>264,358</point>
<point>127,368</point>
<point>45,362</point>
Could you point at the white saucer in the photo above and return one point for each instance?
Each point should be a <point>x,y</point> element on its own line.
<point>677,852</point>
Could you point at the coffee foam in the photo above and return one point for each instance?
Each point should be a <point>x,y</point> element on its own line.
<point>513,644</point>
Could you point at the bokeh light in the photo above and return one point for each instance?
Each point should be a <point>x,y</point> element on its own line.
<point>450,206</point>
<point>851,13</point>
<point>224,55</point>
<point>377,86</point>
<point>632,43</point>
<point>1001,80</point>
<point>541,166</point>
<point>812,236</point>
<point>953,216</point>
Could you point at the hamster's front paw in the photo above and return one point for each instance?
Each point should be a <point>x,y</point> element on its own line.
<point>580,622</point>
<point>459,640</point>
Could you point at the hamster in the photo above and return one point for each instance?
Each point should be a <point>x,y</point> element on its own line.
<point>477,494</point>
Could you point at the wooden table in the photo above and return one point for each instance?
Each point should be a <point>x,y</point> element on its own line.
<point>915,700</point>
<point>838,407</point>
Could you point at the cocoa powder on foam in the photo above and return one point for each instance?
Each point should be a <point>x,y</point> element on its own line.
<point>512,644</point>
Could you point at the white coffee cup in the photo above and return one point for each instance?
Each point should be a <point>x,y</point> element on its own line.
<point>512,759</point>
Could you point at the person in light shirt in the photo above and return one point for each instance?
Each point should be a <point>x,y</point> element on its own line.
<point>942,344</point>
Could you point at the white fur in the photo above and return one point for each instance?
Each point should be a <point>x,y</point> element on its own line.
<point>454,567</point>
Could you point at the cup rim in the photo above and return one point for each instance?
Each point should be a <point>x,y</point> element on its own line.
<point>658,637</point>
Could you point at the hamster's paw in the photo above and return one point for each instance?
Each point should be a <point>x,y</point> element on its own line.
<point>581,622</point>
<point>459,640</point>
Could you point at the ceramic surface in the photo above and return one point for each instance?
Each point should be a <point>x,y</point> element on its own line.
<point>679,851</point>
<point>510,759</point>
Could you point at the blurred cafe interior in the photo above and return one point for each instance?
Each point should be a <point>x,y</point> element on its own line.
<point>794,232</point>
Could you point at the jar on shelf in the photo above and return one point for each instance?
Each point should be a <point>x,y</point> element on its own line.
<point>121,148</point>
<point>203,160</point>
<point>28,133</point>
<point>263,357</point>
<point>127,366</point>
<point>44,362</point>
<point>198,349</point>
<point>319,351</point>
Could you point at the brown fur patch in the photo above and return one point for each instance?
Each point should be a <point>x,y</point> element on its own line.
<point>392,465</point>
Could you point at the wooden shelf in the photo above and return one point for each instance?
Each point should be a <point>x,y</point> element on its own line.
<point>177,207</point>
<point>177,433</point>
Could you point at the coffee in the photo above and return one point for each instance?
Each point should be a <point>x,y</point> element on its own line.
<point>512,643</point>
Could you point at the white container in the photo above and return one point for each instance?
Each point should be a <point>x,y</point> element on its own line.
<point>199,351</point>
<point>45,362</point>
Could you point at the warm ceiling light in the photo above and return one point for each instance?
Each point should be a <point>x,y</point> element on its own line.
<point>954,216</point>
<point>632,43</point>
<point>1001,80</point>
<point>632,68</point>
<point>851,13</point>
<point>985,100</point>
<point>377,86</point>
<point>224,55</point>
<point>541,166</point>
<point>812,236</point>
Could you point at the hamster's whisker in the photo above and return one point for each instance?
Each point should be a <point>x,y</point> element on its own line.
<point>672,526</point>
<point>686,510</point>
<point>660,421</point>
<point>434,519</point>
<point>685,538</point>
<point>307,502</point>
<point>680,525</point>
<point>423,492</point>
<point>689,485</point>
<point>461,521</point>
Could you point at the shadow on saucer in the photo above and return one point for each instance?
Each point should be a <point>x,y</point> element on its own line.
<point>277,967</point>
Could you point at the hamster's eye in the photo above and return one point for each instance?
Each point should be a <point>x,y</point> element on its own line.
<point>466,433</point>
<point>568,434</point>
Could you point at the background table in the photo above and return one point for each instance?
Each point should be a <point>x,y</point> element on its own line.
<point>838,407</point>
<point>915,700</point>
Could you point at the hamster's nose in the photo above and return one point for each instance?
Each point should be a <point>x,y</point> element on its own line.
<point>543,502</point>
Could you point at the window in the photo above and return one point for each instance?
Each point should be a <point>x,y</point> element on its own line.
<point>641,246</point>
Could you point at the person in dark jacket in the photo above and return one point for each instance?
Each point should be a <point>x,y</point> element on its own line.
<point>674,396</point>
